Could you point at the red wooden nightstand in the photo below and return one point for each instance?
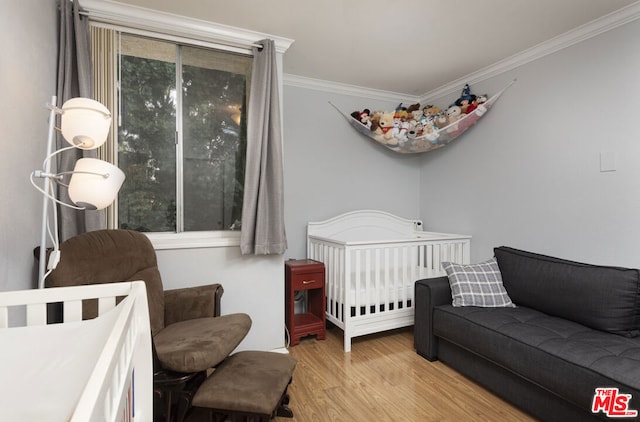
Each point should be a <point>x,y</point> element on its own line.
<point>305,274</point>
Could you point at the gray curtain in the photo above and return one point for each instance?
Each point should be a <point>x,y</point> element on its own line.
<point>74,80</point>
<point>263,229</point>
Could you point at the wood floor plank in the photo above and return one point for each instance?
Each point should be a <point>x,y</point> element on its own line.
<point>384,379</point>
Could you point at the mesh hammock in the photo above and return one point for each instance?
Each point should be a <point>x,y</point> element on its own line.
<point>432,138</point>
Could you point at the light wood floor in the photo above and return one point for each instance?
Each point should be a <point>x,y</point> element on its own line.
<point>383,379</point>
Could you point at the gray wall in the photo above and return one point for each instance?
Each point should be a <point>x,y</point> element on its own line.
<point>331,169</point>
<point>528,175</point>
<point>27,81</point>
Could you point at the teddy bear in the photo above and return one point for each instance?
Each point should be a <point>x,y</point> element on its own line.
<point>385,126</point>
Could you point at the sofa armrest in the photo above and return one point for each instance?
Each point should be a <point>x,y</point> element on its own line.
<point>192,302</point>
<point>429,293</point>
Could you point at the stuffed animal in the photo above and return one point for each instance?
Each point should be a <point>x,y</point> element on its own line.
<point>466,98</point>
<point>365,117</point>
<point>430,112</point>
<point>477,105</point>
<point>405,126</point>
<point>430,131</point>
<point>416,131</point>
<point>375,122</point>
<point>440,120</point>
<point>385,125</point>
<point>416,115</point>
<point>413,107</point>
<point>454,113</point>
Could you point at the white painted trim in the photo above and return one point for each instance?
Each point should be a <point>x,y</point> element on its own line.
<point>347,89</point>
<point>581,33</point>
<point>596,27</point>
<point>190,240</point>
<point>115,13</point>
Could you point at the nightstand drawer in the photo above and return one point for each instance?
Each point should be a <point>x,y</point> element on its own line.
<point>307,281</point>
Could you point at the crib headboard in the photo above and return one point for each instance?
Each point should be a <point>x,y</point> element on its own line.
<point>364,225</point>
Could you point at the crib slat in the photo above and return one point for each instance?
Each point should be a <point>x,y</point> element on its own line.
<point>368,296</point>
<point>4,317</point>
<point>37,314</point>
<point>358,272</point>
<point>377,286</point>
<point>72,310</point>
<point>106,304</point>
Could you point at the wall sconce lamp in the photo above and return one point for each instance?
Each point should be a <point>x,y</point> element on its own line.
<point>93,183</point>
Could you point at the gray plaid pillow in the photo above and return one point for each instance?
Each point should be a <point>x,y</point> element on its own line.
<point>477,284</point>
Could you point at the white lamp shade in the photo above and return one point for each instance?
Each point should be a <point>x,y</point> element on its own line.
<point>90,188</point>
<point>85,123</point>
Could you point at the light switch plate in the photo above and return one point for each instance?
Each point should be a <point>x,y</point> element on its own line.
<point>607,161</point>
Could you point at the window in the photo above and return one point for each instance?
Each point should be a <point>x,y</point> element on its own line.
<point>181,137</point>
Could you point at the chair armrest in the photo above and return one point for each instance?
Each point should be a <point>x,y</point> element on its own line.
<point>429,293</point>
<point>192,302</point>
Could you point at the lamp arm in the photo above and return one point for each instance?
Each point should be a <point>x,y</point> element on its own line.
<point>45,192</point>
<point>104,175</point>
<point>46,162</point>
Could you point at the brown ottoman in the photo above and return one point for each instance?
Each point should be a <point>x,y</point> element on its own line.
<point>249,384</point>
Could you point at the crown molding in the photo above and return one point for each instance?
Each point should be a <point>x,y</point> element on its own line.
<point>119,14</point>
<point>591,29</point>
<point>581,33</point>
<point>346,89</point>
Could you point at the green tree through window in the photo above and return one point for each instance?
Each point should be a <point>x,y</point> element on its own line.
<point>181,137</point>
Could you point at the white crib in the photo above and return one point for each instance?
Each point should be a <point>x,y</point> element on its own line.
<point>93,370</point>
<point>372,260</point>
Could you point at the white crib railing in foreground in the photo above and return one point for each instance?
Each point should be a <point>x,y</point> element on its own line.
<point>118,386</point>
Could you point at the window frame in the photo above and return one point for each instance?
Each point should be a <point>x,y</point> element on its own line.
<point>186,31</point>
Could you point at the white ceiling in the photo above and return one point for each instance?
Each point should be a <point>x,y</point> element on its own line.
<point>402,46</point>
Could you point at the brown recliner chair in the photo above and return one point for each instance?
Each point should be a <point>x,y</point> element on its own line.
<point>189,335</point>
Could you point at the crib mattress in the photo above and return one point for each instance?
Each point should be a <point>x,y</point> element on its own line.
<point>47,367</point>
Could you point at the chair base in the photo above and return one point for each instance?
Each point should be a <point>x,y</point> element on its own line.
<point>173,393</point>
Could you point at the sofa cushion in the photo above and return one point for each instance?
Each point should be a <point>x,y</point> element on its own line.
<point>562,356</point>
<point>600,297</point>
<point>477,284</point>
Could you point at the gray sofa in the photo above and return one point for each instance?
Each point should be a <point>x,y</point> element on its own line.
<point>575,328</point>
